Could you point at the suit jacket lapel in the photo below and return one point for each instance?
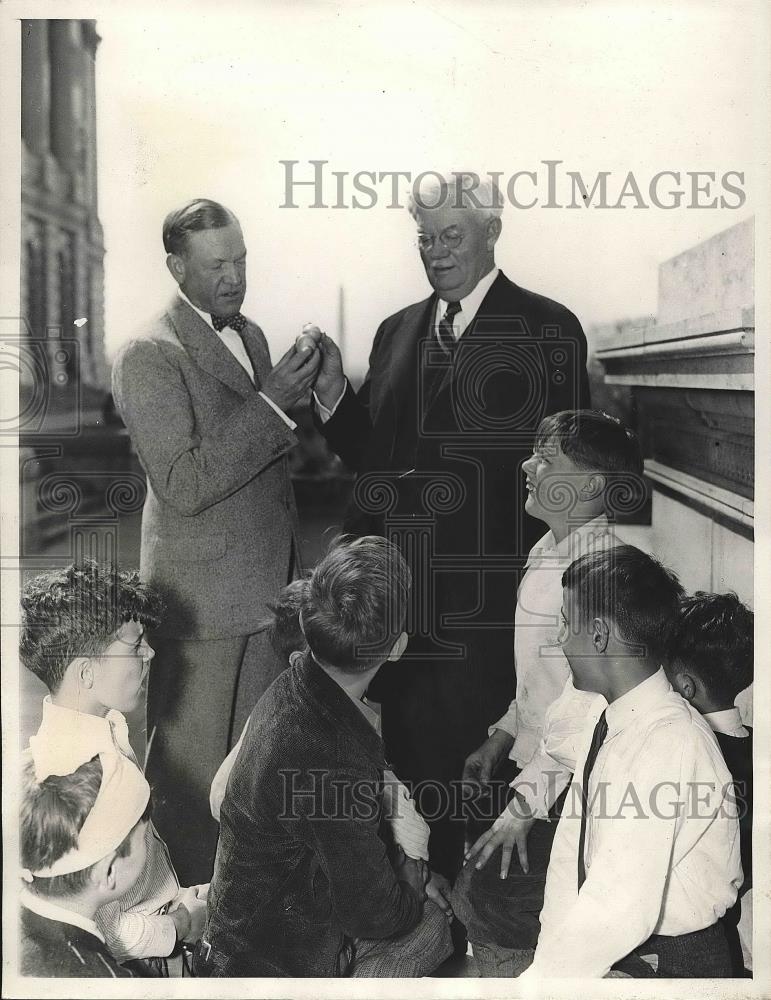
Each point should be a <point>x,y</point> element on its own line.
<point>257,349</point>
<point>203,344</point>
<point>406,355</point>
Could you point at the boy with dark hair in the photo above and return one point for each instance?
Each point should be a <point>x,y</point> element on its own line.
<point>83,635</point>
<point>709,659</point>
<point>646,893</point>
<point>306,788</point>
<point>83,846</point>
<point>585,465</point>
<point>285,635</point>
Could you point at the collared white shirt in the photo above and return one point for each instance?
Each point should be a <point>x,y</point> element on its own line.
<point>540,664</point>
<point>469,307</point>
<point>78,735</point>
<point>132,926</point>
<point>52,911</point>
<point>232,340</point>
<point>543,779</point>
<point>662,837</point>
<point>727,721</point>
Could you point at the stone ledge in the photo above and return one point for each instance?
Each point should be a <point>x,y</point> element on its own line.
<point>729,506</point>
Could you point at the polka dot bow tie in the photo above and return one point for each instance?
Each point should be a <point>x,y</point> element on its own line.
<point>237,322</point>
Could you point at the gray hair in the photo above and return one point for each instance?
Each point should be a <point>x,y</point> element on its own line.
<point>462,188</point>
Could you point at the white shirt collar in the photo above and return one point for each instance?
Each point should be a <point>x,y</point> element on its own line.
<point>469,306</point>
<point>727,721</point>
<point>574,544</point>
<point>638,702</point>
<point>103,733</point>
<point>204,316</point>
<point>52,911</point>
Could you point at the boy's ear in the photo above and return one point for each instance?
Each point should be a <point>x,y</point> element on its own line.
<point>684,684</point>
<point>398,648</point>
<point>84,671</point>
<point>104,875</point>
<point>600,635</point>
<point>594,487</point>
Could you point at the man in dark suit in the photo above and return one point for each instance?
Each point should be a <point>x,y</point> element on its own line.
<point>437,433</point>
<point>206,412</point>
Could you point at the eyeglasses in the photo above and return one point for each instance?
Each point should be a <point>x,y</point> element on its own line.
<point>449,239</point>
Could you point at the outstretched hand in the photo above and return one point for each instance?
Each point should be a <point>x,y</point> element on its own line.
<point>510,830</point>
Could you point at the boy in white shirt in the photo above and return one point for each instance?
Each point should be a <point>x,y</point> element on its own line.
<point>582,460</point>
<point>647,858</point>
<point>83,635</point>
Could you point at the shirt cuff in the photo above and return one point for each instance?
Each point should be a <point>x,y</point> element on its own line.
<point>287,420</point>
<point>540,783</point>
<point>324,412</point>
<point>507,722</point>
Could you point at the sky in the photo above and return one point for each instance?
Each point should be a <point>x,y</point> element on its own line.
<point>206,100</point>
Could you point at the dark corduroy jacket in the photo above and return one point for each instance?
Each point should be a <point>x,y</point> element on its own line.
<point>302,865</point>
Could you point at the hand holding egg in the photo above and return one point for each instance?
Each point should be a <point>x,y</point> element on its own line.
<point>309,339</point>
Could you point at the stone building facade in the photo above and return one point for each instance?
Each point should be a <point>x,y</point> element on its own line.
<point>62,241</point>
<point>690,375</point>
<point>77,474</point>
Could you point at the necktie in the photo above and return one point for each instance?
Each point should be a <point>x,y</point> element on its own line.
<point>237,322</point>
<point>600,732</point>
<point>445,330</point>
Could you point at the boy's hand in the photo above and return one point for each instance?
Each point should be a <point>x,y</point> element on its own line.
<point>439,890</point>
<point>181,920</point>
<point>483,761</point>
<point>510,830</point>
<point>415,873</point>
<point>197,920</point>
<point>189,913</point>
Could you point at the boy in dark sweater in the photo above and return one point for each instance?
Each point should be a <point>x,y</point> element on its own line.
<point>710,661</point>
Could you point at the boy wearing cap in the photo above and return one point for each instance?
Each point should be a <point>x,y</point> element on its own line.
<point>83,635</point>
<point>83,846</point>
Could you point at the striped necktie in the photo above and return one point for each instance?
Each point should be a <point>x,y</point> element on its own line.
<point>445,330</point>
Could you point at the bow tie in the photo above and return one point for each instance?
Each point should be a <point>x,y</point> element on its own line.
<point>237,322</point>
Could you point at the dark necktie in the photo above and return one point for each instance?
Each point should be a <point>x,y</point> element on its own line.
<point>600,732</point>
<point>445,331</point>
<point>237,322</point>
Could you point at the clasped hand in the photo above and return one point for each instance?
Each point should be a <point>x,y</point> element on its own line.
<point>301,369</point>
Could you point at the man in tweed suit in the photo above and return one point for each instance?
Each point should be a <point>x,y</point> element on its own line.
<point>206,412</point>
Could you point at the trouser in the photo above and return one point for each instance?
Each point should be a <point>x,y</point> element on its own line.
<point>195,712</point>
<point>502,915</point>
<point>419,952</point>
<point>701,954</point>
